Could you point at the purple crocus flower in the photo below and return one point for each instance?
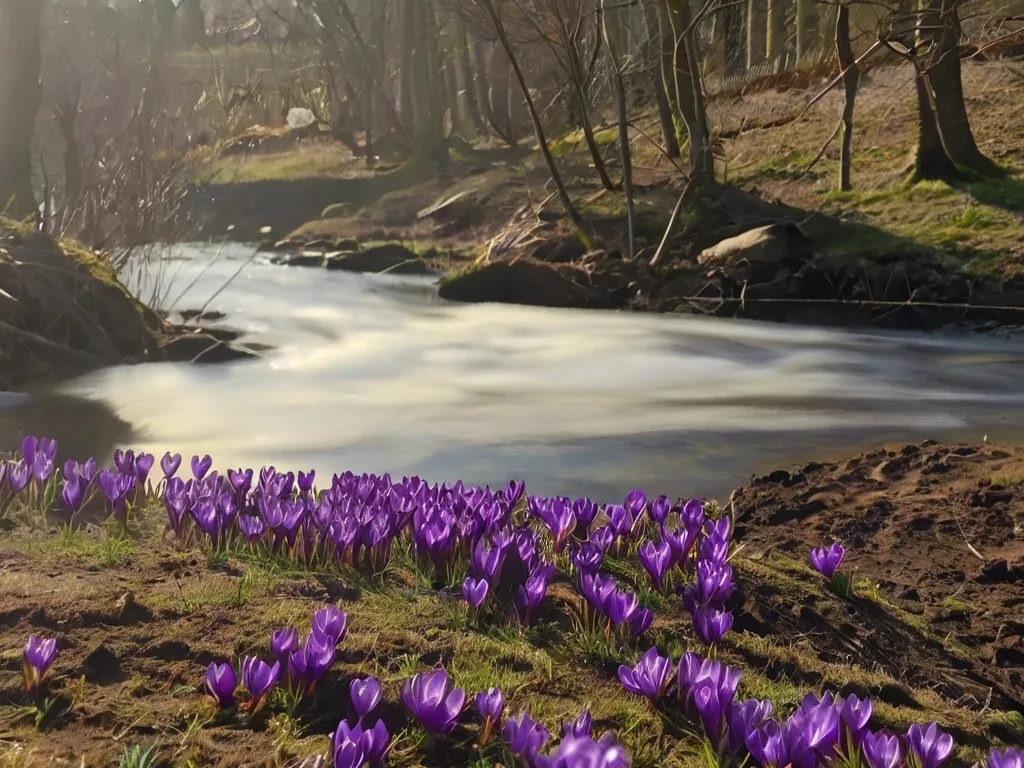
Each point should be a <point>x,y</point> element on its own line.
<point>331,622</point>
<point>708,700</point>
<point>693,516</point>
<point>530,595</point>
<point>931,745</point>
<point>317,658</point>
<point>603,537</point>
<point>258,678</point>
<point>813,731</point>
<point>713,586</point>
<point>283,642</point>
<point>826,561</point>
<point>651,676</point>
<point>434,701</point>
<point>621,606</point>
<point>585,511</point>
<point>37,658</point>
<point>491,706</point>
<point>584,752</point>
<point>81,471</point>
<point>73,494</point>
<point>561,521</point>
<point>305,481</point>
<point>855,714</point>
<point>39,456</point>
<point>656,558</point>
<point>201,466</point>
<point>1009,758</point>
<point>745,717</point>
<point>619,520</point>
<point>635,502</point>
<point>883,750</point>
<point>525,737</point>
<point>141,467</point>
<point>204,513</point>
<point>474,591</point>
<point>355,746</point>
<point>487,562</point>
<point>346,753</point>
<point>116,487</point>
<point>767,745</point>
<point>221,683</point>
<point>693,670</point>
<point>711,624</point>
<point>581,726</point>
<point>366,695</point>
<point>598,590</point>
<point>587,557</point>
<point>640,621</point>
<point>18,476</point>
<point>514,493</point>
<point>659,509</point>
<point>169,464</point>
<point>252,527</point>
<point>124,461</point>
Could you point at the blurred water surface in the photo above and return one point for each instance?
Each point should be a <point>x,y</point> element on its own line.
<point>375,373</point>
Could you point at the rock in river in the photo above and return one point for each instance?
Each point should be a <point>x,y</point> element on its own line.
<point>392,258</point>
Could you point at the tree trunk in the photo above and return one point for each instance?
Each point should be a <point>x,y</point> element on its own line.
<point>20,68</point>
<point>407,16</point>
<point>775,38</point>
<point>501,69</point>
<point>755,32</point>
<point>828,15</point>
<point>579,77</point>
<point>612,20</point>
<point>851,79</point>
<point>690,92</point>
<point>930,160</point>
<point>427,88</point>
<point>652,55</point>
<point>946,86</point>
<point>542,142</point>
<point>480,83</point>
<point>464,77</point>
<point>805,29</point>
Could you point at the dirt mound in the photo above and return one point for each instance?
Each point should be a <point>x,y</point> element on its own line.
<point>63,311</point>
<point>939,530</point>
<point>524,282</point>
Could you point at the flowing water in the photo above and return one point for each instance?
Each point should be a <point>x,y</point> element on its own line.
<point>375,373</point>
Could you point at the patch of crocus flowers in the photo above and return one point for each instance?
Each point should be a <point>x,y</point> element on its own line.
<point>299,666</point>
<point>496,548</point>
<point>826,731</point>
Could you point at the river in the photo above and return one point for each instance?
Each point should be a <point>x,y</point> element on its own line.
<point>375,373</point>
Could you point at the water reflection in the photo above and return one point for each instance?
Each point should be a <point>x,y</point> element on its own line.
<point>376,374</point>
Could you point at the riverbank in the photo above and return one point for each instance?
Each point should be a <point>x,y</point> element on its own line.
<point>64,312</point>
<point>888,254</point>
<point>138,618</point>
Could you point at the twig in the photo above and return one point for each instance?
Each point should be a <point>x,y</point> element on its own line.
<point>671,223</point>
<point>821,152</point>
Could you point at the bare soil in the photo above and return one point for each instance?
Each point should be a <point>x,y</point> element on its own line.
<point>939,529</point>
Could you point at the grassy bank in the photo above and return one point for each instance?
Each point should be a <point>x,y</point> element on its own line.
<point>140,608</point>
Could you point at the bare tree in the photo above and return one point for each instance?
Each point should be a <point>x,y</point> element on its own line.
<point>20,67</point>
<point>851,79</point>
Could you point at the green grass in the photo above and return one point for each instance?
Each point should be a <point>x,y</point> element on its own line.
<point>303,162</point>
